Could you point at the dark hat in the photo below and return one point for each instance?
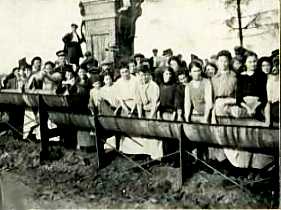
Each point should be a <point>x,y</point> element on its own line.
<point>93,69</point>
<point>139,55</point>
<point>74,25</point>
<point>94,78</point>
<point>239,50</point>
<point>69,69</point>
<point>239,58</point>
<point>144,68</point>
<point>88,53</point>
<point>274,53</point>
<point>196,59</point>
<point>168,51</point>
<point>262,59</point>
<point>22,62</point>
<point>60,53</point>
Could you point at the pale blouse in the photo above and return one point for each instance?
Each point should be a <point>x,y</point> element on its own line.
<point>273,89</point>
<point>198,94</point>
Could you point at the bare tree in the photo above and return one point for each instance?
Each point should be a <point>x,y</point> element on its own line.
<point>257,20</point>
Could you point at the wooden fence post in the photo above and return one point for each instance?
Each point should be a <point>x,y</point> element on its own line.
<point>43,122</point>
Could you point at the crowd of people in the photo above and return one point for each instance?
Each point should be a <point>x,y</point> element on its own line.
<point>163,87</point>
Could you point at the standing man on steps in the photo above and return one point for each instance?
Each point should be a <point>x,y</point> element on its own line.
<point>72,46</point>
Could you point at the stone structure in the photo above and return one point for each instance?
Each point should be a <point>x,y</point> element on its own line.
<point>110,27</point>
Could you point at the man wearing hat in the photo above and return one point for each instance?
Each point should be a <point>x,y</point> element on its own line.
<point>61,62</point>
<point>72,46</point>
<point>168,53</point>
<point>154,60</point>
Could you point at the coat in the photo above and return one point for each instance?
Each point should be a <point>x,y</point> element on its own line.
<point>73,49</point>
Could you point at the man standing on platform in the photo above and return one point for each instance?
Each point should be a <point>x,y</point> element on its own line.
<point>72,46</point>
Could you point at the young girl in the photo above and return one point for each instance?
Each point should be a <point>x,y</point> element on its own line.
<point>95,98</point>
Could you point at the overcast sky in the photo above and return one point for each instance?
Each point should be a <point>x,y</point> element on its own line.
<point>197,26</point>
<point>35,27</point>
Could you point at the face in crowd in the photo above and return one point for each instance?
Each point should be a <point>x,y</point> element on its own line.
<point>174,65</point>
<point>275,68</point>
<point>138,60</point>
<point>73,28</point>
<point>182,79</point>
<point>61,60</point>
<point>144,77</point>
<point>125,73</point>
<point>48,68</point>
<point>266,67</point>
<point>97,85</point>
<point>69,75</point>
<point>223,63</point>
<point>210,71</point>
<point>196,72</point>
<point>107,80</point>
<point>251,63</point>
<point>132,67</point>
<point>167,76</point>
<point>27,71</point>
<point>236,64</point>
<point>37,64</point>
<point>82,73</point>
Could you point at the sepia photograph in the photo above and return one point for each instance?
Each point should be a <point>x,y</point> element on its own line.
<point>140,104</point>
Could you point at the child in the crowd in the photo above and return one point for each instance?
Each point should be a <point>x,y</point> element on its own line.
<point>68,85</point>
<point>95,98</point>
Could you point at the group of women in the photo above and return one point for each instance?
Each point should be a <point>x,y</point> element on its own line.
<point>225,86</point>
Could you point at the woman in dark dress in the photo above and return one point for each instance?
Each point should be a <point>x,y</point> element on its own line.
<point>168,108</point>
<point>251,89</point>
<point>168,99</point>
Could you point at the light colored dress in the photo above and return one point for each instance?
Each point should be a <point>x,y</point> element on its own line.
<point>224,86</point>
<point>198,95</point>
<point>148,96</point>
<point>126,90</point>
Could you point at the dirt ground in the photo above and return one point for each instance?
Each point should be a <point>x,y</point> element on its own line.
<point>73,181</point>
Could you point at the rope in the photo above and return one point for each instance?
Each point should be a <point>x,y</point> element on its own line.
<point>151,161</point>
<point>220,173</point>
<point>16,130</point>
<point>128,158</point>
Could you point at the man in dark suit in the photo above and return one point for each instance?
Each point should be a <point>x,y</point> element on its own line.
<point>60,69</point>
<point>154,60</point>
<point>72,46</point>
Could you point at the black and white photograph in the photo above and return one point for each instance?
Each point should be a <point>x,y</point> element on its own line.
<point>140,104</point>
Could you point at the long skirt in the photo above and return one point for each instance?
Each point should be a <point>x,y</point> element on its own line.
<point>238,158</point>
<point>85,139</point>
<point>137,145</point>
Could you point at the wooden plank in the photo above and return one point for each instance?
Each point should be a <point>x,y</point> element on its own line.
<point>141,127</point>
